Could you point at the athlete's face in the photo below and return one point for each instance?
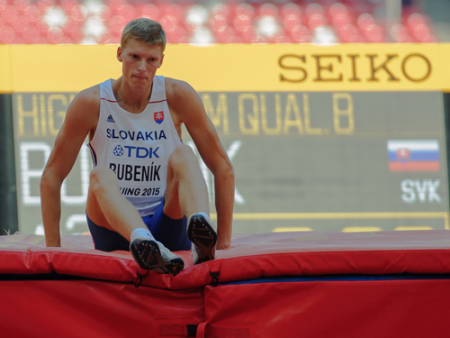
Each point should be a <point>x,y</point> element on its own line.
<point>139,62</point>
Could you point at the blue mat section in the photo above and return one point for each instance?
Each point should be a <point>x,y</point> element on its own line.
<point>327,278</point>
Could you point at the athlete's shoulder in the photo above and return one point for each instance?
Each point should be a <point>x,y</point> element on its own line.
<point>177,90</point>
<point>88,98</point>
<point>84,110</point>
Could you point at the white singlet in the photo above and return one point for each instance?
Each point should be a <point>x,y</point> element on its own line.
<point>136,146</point>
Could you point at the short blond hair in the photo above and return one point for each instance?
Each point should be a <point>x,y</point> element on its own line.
<point>145,30</point>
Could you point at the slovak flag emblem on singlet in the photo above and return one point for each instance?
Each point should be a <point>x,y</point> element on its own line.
<point>159,117</point>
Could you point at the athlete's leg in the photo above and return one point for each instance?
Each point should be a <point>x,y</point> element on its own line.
<point>186,192</point>
<point>186,188</point>
<point>107,207</point>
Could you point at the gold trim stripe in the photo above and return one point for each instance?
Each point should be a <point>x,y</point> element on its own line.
<point>339,215</point>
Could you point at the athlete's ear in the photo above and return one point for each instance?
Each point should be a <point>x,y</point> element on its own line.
<point>119,53</point>
<point>162,59</point>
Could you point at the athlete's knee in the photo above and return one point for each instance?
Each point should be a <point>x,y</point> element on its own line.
<point>102,178</point>
<point>184,155</point>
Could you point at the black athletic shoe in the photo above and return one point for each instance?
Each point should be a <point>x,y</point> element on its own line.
<point>153,255</point>
<point>203,237</point>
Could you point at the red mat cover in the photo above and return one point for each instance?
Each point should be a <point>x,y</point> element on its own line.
<point>98,298</point>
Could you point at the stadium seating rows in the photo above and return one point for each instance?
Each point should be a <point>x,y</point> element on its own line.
<point>96,22</point>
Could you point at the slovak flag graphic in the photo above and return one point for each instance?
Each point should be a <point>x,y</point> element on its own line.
<point>159,117</point>
<point>413,155</point>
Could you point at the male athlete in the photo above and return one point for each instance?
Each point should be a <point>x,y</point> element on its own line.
<point>146,193</point>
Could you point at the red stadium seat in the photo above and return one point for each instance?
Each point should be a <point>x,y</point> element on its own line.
<point>291,9</point>
<point>21,5</point>
<point>429,39</point>
<point>416,19</point>
<point>291,21</point>
<point>316,20</point>
<point>281,38</point>
<point>9,14</point>
<point>268,10</point>
<point>348,33</point>
<point>32,13</point>
<point>341,19</point>
<point>244,9</point>
<point>18,40</point>
<point>78,13</point>
<point>41,40</point>
<point>20,24</point>
<point>127,12</point>
<point>169,23</point>
<point>42,27</point>
<point>242,22</point>
<point>399,33</point>
<point>7,35</point>
<point>301,34</point>
<point>67,5</point>
<point>30,35</point>
<point>222,10</point>
<point>72,29</point>
<point>365,20</point>
<point>217,22</point>
<point>421,31</point>
<point>374,33</point>
<point>151,11</point>
<point>175,11</point>
<point>113,40</point>
<point>223,34</point>
<point>176,35</point>
<point>66,40</point>
<point>45,4</point>
<point>236,39</point>
<point>249,34</point>
<point>116,24</point>
<point>338,9</point>
<point>116,4</point>
<point>314,8</point>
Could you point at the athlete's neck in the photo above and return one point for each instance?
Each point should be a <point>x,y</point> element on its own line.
<point>132,99</point>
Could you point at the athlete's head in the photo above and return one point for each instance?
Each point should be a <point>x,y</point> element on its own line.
<point>145,30</point>
<point>141,52</point>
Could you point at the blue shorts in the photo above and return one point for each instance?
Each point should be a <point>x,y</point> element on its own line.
<point>168,231</point>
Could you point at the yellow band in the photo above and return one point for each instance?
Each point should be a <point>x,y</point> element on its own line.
<point>237,68</point>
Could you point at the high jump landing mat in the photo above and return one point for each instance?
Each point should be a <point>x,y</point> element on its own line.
<point>379,284</point>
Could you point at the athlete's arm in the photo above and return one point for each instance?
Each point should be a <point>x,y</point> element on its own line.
<point>81,118</point>
<point>187,106</point>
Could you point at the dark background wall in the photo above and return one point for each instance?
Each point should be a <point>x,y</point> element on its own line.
<point>8,201</point>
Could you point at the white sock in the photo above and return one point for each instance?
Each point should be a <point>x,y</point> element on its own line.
<point>142,233</point>
<point>204,215</point>
<point>213,225</point>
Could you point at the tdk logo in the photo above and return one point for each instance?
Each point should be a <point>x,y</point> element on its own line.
<point>118,150</point>
<point>136,152</point>
<point>110,119</point>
